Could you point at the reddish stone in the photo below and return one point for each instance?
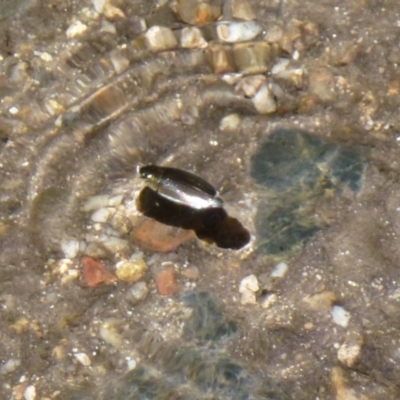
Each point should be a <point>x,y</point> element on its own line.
<point>94,272</point>
<point>166,281</point>
<point>155,236</point>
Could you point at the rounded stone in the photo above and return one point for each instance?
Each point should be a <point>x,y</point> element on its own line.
<point>131,271</point>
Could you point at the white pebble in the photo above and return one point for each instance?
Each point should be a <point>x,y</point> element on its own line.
<point>30,393</point>
<point>98,5</point>
<point>139,290</point>
<point>46,57</point>
<point>13,110</point>
<point>191,38</point>
<point>249,284</point>
<point>160,38</point>
<point>101,216</point>
<point>340,316</point>
<point>119,62</point>
<point>230,123</point>
<point>280,66</point>
<point>238,31</point>
<point>108,27</point>
<point>131,364</point>
<point>77,28</point>
<point>115,244</point>
<point>269,300</point>
<point>248,298</point>
<point>10,366</point>
<point>95,202</point>
<point>115,200</point>
<point>231,79</point>
<point>280,270</point>
<point>249,85</point>
<point>264,101</point>
<point>70,247</point>
<point>83,358</point>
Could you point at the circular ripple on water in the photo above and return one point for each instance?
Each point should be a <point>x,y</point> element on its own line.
<point>104,104</point>
<point>107,101</point>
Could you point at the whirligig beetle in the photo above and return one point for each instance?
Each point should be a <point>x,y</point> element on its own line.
<point>181,187</point>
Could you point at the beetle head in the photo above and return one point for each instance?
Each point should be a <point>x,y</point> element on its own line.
<point>151,174</point>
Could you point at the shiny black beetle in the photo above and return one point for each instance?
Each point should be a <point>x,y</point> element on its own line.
<point>181,187</point>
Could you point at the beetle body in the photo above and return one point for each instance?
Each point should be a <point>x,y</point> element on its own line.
<point>181,187</point>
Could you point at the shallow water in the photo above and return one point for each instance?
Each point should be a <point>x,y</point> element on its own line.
<point>315,181</point>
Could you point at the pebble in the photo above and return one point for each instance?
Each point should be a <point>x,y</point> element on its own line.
<point>83,358</point>
<point>269,300</point>
<point>253,57</point>
<point>112,12</point>
<point>53,107</point>
<point>138,292</point>
<point>221,58</point>
<point>159,38</point>
<point>101,215</point>
<point>264,101</point>
<point>237,31</point>
<point>348,353</point>
<point>240,9</point>
<point>191,38</point>
<point>95,273</point>
<point>341,387</point>
<point>19,74</point>
<point>115,201</point>
<point>106,8</point>
<point>280,66</point>
<point>280,270</point>
<point>320,301</point>
<point>198,12</point>
<point>249,85</point>
<point>108,27</point>
<point>291,36</point>
<point>274,34</point>
<point>166,281</point>
<point>10,366</point>
<point>294,76</point>
<point>76,29</point>
<point>248,298</point>
<point>98,5</point>
<point>120,64</point>
<point>13,110</point>
<point>18,390</point>
<point>109,332</point>
<point>97,250</point>
<point>30,393</point>
<point>340,316</point>
<point>232,79</point>
<point>248,287</point>
<point>249,283</point>
<point>95,202</point>
<point>154,236</point>
<point>115,244</point>
<point>121,223</point>
<point>70,247</point>
<point>131,364</point>
<point>131,271</point>
<point>230,123</point>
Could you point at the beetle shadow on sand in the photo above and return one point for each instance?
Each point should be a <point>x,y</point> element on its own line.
<point>211,224</point>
